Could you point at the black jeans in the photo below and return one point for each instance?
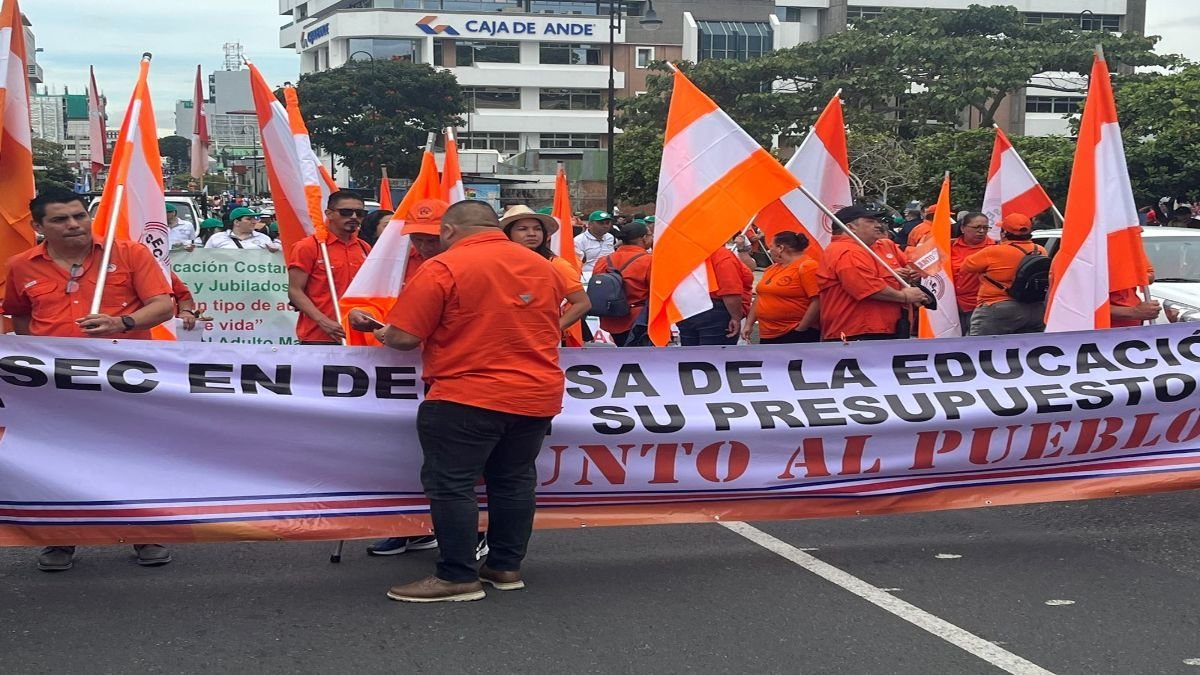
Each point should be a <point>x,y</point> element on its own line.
<point>707,328</point>
<point>462,443</point>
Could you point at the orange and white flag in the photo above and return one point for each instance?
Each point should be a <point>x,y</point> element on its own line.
<point>1100,227</point>
<point>562,242</point>
<point>714,179</point>
<point>1011,187</point>
<point>141,212</point>
<point>452,182</point>
<point>97,135</point>
<point>16,143</point>
<point>933,259</point>
<point>200,138</point>
<point>385,191</point>
<point>378,282</point>
<point>299,184</point>
<point>822,165</point>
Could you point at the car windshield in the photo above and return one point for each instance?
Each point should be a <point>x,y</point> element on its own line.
<point>1174,258</point>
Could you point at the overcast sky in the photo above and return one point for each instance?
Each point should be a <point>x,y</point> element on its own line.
<point>111,35</point>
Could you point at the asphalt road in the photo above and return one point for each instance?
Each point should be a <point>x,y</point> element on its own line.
<point>1110,586</point>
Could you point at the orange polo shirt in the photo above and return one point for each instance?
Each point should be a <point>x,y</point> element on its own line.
<point>487,314</point>
<point>784,294</point>
<point>917,234</point>
<point>998,263</point>
<point>37,288</point>
<point>728,270</point>
<point>1127,297</point>
<point>891,252</point>
<point>413,264</point>
<point>345,258</point>
<point>180,290</point>
<point>966,284</point>
<point>636,277</point>
<point>847,277</point>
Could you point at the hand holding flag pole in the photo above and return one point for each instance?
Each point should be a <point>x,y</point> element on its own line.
<point>109,237</point>
<point>932,299</point>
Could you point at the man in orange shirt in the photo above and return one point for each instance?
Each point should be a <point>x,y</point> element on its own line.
<point>634,261</point>
<point>966,284</point>
<point>1127,308</point>
<point>998,313</point>
<point>860,299</point>
<point>49,292</point>
<point>721,325</point>
<point>423,227</point>
<point>489,405</point>
<point>920,231</point>
<point>308,284</point>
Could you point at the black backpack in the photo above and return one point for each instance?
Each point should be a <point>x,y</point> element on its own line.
<point>1031,282</point>
<point>606,290</point>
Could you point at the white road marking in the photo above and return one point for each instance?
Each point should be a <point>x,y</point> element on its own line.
<point>965,640</point>
<point>947,556</point>
<point>1059,603</point>
<point>1191,662</point>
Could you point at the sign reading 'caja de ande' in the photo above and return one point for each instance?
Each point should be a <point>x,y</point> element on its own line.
<point>431,26</point>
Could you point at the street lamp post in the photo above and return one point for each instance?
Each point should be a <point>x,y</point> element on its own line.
<point>247,129</point>
<point>649,21</point>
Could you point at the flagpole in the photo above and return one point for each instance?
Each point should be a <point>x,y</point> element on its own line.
<point>825,209</point>
<point>109,237</point>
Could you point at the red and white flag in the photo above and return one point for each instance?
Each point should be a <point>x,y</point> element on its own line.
<point>200,139</point>
<point>452,182</point>
<point>933,259</point>
<point>299,183</point>
<point>385,191</point>
<point>562,242</point>
<point>378,282</point>
<point>141,212</point>
<point>822,165</point>
<point>16,143</point>
<point>714,179</point>
<point>1100,227</point>
<point>97,134</point>
<point>1011,187</point>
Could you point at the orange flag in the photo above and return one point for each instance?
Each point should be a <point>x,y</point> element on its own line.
<point>714,179</point>
<point>16,144</point>
<point>1100,227</point>
<point>452,182</point>
<point>933,259</point>
<point>138,209</point>
<point>563,241</point>
<point>385,192</point>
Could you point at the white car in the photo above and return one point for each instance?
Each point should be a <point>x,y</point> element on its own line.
<point>1175,254</point>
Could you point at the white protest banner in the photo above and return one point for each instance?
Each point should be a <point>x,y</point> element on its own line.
<point>262,442</point>
<point>244,291</point>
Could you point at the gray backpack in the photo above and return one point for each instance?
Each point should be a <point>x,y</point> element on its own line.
<point>607,290</point>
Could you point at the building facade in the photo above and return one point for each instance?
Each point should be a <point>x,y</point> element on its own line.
<point>536,72</point>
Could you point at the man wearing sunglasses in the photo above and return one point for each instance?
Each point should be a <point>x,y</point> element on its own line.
<point>49,289</point>
<point>308,285</point>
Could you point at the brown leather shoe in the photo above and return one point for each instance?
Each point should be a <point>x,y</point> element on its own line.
<point>501,581</point>
<point>433,589</point>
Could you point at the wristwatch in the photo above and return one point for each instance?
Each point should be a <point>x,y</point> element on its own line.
<point>128,322</point>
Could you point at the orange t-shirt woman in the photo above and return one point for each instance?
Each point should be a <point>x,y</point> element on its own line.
<point>787,304</point>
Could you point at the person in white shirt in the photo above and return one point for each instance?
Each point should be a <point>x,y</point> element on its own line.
<point>596,241</point>
<point>242,235</point>
<point>181,233</point>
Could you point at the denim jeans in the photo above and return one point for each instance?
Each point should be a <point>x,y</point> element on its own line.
<point>1007,317</point>
<point>707,328</point>
<point>462,443</point>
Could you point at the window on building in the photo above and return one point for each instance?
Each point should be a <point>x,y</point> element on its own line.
<point>740,40</point>
<point>506,143</point>
<point>566,54</point>
<point>572,99</point>
<point>469,53</point>
<point>550,141</point>
<point>1109,23</point>
<point>492,98</point>
<point>1063,105</point>
<point>473,5</point>
<point>439,47</point>
<point>643,57</point>
<point>556,7</point>
<point>854,12</point>
<point>301,11</point>
<point>385,49</point>
<point>362,4</point>
<point>790,14</point>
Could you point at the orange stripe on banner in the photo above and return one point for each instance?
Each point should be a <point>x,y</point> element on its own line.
<point>688,104</point>
<point>705,224</point>
<point>784,508</point>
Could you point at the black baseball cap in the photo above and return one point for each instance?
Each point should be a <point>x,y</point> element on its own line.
<point>850,213</point>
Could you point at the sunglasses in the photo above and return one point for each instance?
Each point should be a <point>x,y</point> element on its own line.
<point>346,213</point>
<point>73,280</point>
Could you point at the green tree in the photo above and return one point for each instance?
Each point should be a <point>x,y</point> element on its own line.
<point>176,151</point>
<point>50,164</point>
<point>1158,115</point>
<point>375,113</point>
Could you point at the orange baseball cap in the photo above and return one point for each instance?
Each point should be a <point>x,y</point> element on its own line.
<point>1016,223</point>
<point>425,217</point>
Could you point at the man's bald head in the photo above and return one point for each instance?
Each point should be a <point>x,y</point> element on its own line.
<point>471,213</point>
